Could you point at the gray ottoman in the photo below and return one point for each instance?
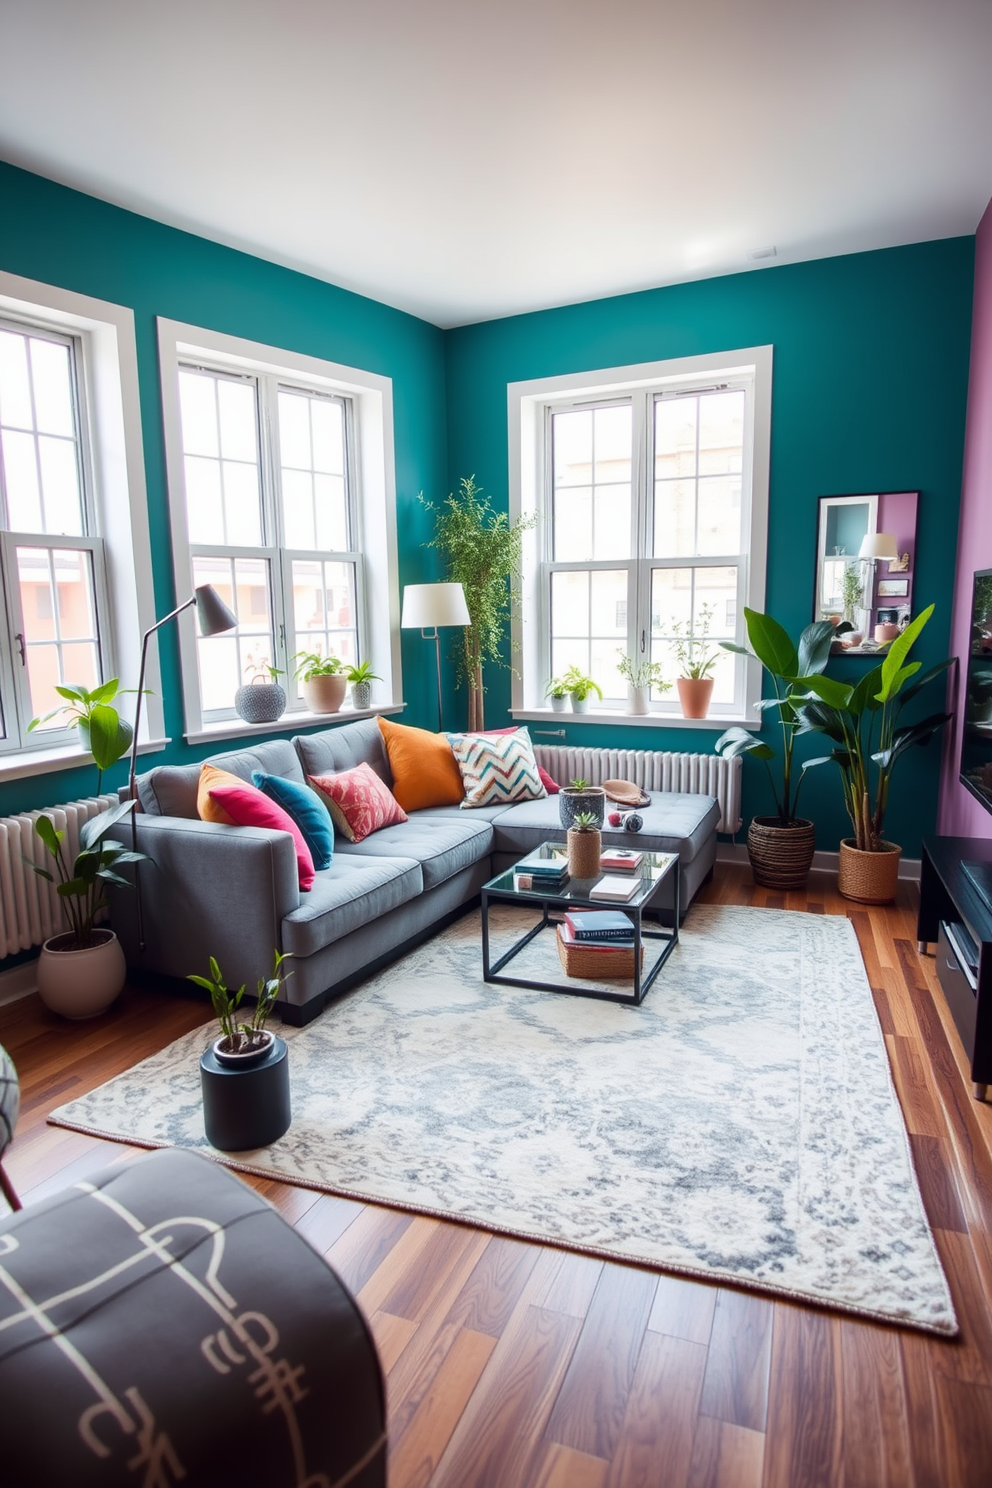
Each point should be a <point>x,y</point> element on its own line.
<point>160,1323</point>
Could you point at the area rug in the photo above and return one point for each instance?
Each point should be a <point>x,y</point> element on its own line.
<point>740,1125</point>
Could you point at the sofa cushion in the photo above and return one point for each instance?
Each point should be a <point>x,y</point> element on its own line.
<point>342,748</point>
<point>422,765</point>
<point>497,767</point>
<point>353,891</point>
<point>308,811</point>
<point>249,807</point>
<point>672,823</point>
<point>360,802</point>
<point>170,790</point>
<point>443,846</point>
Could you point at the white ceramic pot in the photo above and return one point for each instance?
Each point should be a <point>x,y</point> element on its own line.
<point>249,1057</point>
<point>638,700</point>
<point>559,704</point>
<point>325,694</point>
<point>81,984</point>
<point>579,705</point>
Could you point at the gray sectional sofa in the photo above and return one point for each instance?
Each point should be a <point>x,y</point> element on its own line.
<point>232,892</point>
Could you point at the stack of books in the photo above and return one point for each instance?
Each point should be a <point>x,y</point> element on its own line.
<point>621,860</point>
<point>537,873</point>
<point>597,943</point>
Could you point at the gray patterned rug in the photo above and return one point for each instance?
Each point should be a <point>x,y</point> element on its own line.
<point>741,1124</point>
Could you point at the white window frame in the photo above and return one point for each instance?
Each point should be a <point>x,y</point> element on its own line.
<point>529,408</point>
<point>374,543</point>
<point>106,369</point>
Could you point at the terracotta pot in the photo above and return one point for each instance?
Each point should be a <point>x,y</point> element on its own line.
<point>584,852</point>
<point>81,983</point>
<point>694,695</point>
<point>885,633</point>
<point>780,853</point>
<point>325,694</point>
<point>868,877</point>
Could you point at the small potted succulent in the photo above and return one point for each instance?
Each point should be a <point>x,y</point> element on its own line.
<point>558,693</point>
<point>695,658</point>
<point>323,679</point>
<point>641,677</point>
<point>579,796</point>
<point>361,678</point>
<point>579,686</point>
<point>242,1044</point>
<point>82,970</point>
<point>262,699</point>
<point>585,845</point>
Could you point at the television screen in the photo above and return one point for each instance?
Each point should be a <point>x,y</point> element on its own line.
<point>976,732</point>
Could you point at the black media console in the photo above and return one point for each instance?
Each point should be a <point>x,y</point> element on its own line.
<point>956,916</point>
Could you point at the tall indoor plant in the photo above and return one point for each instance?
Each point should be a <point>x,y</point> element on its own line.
<point>863,723</point>
<point>482,552</point>
<point>100,727</point>
<point>781,846</point>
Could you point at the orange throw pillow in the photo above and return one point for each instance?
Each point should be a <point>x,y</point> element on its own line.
<point>425,771</point>
<point>209,810</point>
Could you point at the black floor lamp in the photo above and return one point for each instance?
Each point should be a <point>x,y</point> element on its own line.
<point>428,606</point>
<point>214,617</point>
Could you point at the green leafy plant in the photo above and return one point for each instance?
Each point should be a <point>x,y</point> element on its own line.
<point>556,688</point>
<point>81,886</point>
<point>579,686</point>
<point>312,664</point>
<point>852,590</point>
<point>642,673</point>
<point>241,1038</point>
<point>695,655</point>
<point>100,727</point>
<point>481,550</point>
<point>790,666</point>
<point>585,821</point>
<point>578,784</point>
<point>863,723</point>
<point>362,673</point>
<point>255,669</point>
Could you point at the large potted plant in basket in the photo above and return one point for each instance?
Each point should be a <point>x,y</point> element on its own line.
<point>863,724</point>
<point>82,970</point>
<point>781,846</point>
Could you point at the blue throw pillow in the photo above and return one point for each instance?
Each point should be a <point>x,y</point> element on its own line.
<point>307,810</point>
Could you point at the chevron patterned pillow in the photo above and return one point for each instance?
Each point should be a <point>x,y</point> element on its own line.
<point>497,769</point>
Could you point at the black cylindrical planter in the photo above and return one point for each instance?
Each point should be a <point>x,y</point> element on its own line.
<point>244,1108</point>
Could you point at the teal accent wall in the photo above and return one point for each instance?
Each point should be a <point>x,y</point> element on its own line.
<point>61,237</point>
<point>870,381</point>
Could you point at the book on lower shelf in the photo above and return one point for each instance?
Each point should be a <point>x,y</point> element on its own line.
<point>595,962</point>
<point>601,943</point>
<point>599,924</point>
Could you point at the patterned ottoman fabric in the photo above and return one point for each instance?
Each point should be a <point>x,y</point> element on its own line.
<point>197,1340</point>
<point>10,1099</point>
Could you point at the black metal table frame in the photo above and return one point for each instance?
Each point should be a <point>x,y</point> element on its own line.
<point>642,986</point>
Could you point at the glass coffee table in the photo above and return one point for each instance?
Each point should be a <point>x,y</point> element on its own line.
<point>654,870</point>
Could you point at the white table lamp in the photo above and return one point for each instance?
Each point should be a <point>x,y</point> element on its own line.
<point>429,606</point>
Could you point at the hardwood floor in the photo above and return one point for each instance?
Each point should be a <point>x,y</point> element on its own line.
<point>517,1366</point>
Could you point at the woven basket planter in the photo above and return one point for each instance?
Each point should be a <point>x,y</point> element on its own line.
<point>584,851</point>
<point>868,877</point>
<point>780,855</point>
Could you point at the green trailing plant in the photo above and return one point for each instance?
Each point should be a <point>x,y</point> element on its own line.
<point>579,686</point>
<point>241,1038</point>
<point>852,590</point>
<point>863,723</point>
<point>642,673</point>
<point>100,727</point>
<point>695,655</point>
<point>361,673</point>
<point>481,550</point>
<point>585,821</point>
<point>312,664</point>
<point>790,666</point>
<point>81,886</point>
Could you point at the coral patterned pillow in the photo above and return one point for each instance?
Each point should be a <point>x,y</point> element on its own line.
<point>359,802</point>
<point>497,768</point>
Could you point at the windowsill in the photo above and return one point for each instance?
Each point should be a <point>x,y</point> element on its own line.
<point>66,757</point>
<point>236,728</point>
<point>633,720</point>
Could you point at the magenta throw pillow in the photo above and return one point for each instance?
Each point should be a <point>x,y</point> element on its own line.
<point>248,807</point>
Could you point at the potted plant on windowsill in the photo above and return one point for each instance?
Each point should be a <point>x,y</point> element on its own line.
<point>578,798</point>
<point>263,698</point>
<point>100,727</point>
<point>579,686</point>
<point>361,678</point>
<point>695,658</point>
<point>82,970</point>
<point>641,677</point>
<point>558,693</point>
<point>323,680</point>
<point>780,847</point>
<point>869,865</point>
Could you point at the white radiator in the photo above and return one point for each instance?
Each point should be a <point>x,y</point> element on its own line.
<point>652,770</point>
<point>30,909</point>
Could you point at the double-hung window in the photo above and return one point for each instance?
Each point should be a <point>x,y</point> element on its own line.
<point>651,493</point>
<point>57,628</point>
<point>281,499</point>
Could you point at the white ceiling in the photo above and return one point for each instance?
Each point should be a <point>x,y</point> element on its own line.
<point>465,159</point>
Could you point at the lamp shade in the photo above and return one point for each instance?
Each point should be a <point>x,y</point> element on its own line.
<point>878,545</point>
<point>434,604</point>
<point>212,613</point>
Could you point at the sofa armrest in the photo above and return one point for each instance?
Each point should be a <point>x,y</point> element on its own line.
<point>208,890</point>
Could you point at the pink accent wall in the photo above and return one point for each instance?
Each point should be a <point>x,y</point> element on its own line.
<point>960,815</point>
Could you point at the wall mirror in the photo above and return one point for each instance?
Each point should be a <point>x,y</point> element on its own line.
<point>865,554</point>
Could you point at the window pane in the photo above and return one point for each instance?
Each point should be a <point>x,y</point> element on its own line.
<point>612,443</point>
<point>198,407</point>
<point>242,509</point>
<point>573,525</point>
<point>51,374</point>
<point>589,623</point>
<point>15,388</point>
<point>59,619</point>
<point>719,514</point>
<point>611,525</point>
<point>572,443</point>
<point>297,508</point>
<point>324,608</point>
<point>675,437</point>
<point>311,439</point>
<point>20,468</point>
<point>236,410</point>
<point>570,604</point>
<point>696,607</point>
<point>204,503</point>
<point>331,512</point>
<point>223,502</point>
<point>227,662</point>
<point>699,450</point>
<point>327,423</point>
<point>60,486</point>
<point>591,454</point>
<point>38,435</point>
<point>675,519</point>
<point>721,433</point>
<point>294,432</point>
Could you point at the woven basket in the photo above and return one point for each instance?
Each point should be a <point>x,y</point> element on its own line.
<point>780,855</point>
<point>868,877</point>
<point>584,852</point>
<point>595,965</point>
